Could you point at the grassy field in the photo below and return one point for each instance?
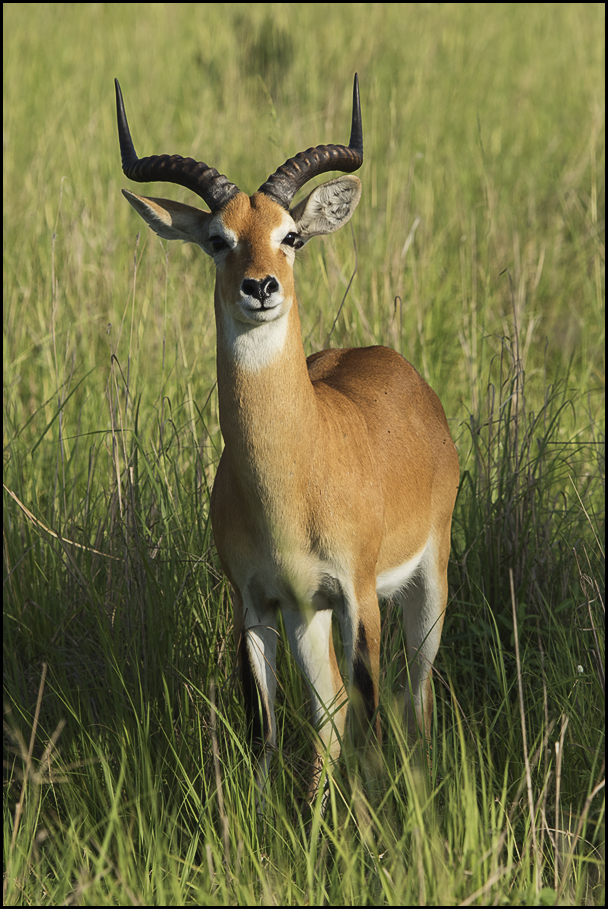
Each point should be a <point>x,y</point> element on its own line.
<point>479,254</point>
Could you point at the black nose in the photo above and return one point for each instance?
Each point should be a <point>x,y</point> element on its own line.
<point>261,290</point>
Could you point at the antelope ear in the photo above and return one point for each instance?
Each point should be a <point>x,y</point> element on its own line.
<point>328,207</point>
<point>171,220</point>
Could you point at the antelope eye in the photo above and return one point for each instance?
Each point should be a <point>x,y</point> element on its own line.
<point>293,240</point>
<point>218,243</point>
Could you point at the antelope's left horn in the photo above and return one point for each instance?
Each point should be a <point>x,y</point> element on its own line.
<point>291,176</point>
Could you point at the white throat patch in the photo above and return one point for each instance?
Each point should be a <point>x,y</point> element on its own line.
<point>255,347</point>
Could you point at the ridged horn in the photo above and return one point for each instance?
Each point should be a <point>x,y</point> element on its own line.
<point>291,176</point>
<point>205,181</point>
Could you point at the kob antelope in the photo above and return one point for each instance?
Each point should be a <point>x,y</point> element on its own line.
<point>338,477</point>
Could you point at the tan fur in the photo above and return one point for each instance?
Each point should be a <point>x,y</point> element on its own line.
<point>338,475</point>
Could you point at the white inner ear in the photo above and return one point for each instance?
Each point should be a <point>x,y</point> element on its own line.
<point>328,207</point>
<point>171,220</point>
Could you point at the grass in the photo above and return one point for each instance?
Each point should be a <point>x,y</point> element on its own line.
<point>479,253</point>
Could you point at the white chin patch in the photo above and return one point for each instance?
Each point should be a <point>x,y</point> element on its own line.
<point>255,315</point>
<point>258,341</point>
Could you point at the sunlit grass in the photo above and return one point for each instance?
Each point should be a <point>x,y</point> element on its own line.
<point>479,254</point>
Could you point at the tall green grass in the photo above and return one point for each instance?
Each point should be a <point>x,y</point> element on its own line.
<point>479,254</point>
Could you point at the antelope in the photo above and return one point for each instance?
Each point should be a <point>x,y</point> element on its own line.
<point>338,476</point>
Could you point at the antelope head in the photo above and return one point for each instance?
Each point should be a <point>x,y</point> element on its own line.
<point>251,239</point>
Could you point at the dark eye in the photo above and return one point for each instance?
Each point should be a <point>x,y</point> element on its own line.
<point>293,240</point>
<point>218,243</point>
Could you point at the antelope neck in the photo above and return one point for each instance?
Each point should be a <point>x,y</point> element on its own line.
<point>268,415</point>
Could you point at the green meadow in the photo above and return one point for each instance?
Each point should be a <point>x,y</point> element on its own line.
<point>478,252</point>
